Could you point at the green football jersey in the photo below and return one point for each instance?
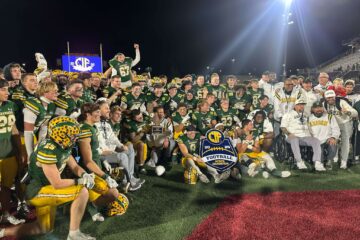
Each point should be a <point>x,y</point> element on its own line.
<point>132,102</point>
<point>229,92</point>
<point>7,121</point>
<point>18,97</point>
<point>202,120</point>
<point>174,101</point>
<point>88,131</point>
<point>67,103</point>
<point>123,69</point>
<point>227,118</point>
<point>249,142</point>
<point>46,152</point>
<point>192,145</point>
<point>178,119</point>
<point>191,104</point>
<point>255,95</point>
<point>87,96</point>
<point>161,101</point>
<point>218,91</point>
<point>199,91</point>
<point>109,91</point>
<point>43,115</point>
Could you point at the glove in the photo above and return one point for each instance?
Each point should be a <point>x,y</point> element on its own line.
<point>40,59</point>
<point>75,114</point>
<point>185,119</point>
<point>107,166</point>
<point>87,180</point>
<point>111,182</point>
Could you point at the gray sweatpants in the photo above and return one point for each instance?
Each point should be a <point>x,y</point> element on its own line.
<point>331,151</point>
<point>346,131</point>
<point>296,142</point>
<point>124,159</point>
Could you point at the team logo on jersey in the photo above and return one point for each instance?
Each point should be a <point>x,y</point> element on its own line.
<point>217,151</point>
<point>82,64</point>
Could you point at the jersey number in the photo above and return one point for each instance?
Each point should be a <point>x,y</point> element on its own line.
<point>6,123</point>
<point>124,70</point>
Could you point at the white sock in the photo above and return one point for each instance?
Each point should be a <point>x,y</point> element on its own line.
<point>74,232</point>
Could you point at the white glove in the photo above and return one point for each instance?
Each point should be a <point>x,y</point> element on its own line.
<point>76,114</point>
<point>40,59</point>
<point>173,104</point>
<point>111,182</point>
<point>87,180</point>
<point>107,166</point>
<point>185,119</point>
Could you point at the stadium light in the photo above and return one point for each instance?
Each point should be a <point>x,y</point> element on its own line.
<point>287,2</point>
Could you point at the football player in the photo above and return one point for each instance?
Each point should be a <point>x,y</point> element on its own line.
<point>11,152</point>
<point>70,102</point>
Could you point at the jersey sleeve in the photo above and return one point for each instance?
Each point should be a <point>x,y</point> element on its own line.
<point>46,154</point>
<point>32,106</point>
<point>62,103</point>
<point>85,132</point>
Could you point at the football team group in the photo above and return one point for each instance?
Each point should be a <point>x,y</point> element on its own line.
<point>83,140</point>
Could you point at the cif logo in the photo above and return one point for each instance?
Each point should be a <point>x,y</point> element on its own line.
<point>215,136</point>
<point>82,64</point>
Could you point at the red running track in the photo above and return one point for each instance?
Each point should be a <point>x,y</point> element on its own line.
<point>282,215</point>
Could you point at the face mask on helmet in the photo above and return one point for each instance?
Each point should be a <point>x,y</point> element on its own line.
<point>64,131</point>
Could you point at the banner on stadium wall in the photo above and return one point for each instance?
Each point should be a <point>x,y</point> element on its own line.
<point>217,151</point>
<point>74,63</point>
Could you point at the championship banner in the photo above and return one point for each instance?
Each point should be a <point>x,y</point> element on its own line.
<point>217,151</point>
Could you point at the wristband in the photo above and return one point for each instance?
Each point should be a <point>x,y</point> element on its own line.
<point>105,176</point>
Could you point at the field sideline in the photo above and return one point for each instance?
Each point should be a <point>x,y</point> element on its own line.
<point>166,208</point>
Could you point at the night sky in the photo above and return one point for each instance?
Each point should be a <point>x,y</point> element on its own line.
<point>177,37</point>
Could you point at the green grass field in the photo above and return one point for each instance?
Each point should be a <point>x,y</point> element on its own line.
<point>166,208</point>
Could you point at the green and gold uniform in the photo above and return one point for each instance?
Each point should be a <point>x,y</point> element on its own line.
<point>46,152</point>
<point>7,121</point>
<point>67,103</point>
<point>116,127</point>
<point>255,96</point>
<point>229,93</point>
<point>201,120</point>
<point>192,145</point>
<point>109,91</point>
<point>96,93</point>
<point>87,96</point>
<point>177,120</point>
<point>239,103</point>
<point>218,91</point>
<point>191,104</point>
<point>174,101</point>
<point>18,97</point>
<point>132,102</point>
<point>133,126</point>
<point>227,118</point>
<point>199,91</point>
<point>161,101</point>
<point>8,162</point>
<point>123,69</point>
<point>43,115</point>
<point>88,131</point>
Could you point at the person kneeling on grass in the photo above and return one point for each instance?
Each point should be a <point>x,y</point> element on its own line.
<point>249,151</point>
<point>48,189</point>
<point>188,145</point>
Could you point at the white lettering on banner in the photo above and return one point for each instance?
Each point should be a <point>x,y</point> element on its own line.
<point>82,64</point>
<point>220,157</point>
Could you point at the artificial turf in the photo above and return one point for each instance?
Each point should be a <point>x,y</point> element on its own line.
<point>166,208</point>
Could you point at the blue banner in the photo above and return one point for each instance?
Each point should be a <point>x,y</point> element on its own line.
<point>81,63</point>
<point>217,151</point>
